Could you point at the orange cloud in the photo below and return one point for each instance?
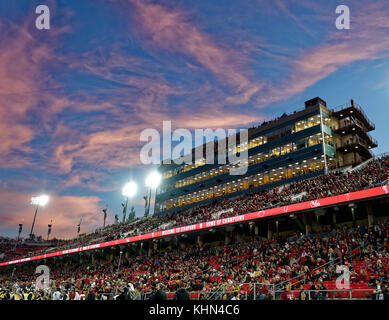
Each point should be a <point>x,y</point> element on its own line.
<point>65,211</point>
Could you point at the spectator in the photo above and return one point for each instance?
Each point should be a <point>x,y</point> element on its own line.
<point>287,294</point>
<point>159,293</point>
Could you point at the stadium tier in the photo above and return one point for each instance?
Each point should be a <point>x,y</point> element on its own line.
<point>294,208</point>
<point>276,251</point>
<point>337,186</point>
<point>300,268</point>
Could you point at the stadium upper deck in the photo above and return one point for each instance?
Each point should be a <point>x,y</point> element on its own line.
<point>293,147</point>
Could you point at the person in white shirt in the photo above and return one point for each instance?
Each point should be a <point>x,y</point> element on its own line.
<point>56,295</point>
<point>77,296</point>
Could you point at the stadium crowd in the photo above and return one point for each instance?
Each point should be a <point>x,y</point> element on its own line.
<point>281,266</point>
<point>334,183</point>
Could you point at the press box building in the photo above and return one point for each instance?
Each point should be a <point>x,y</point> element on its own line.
<point>292,147</point>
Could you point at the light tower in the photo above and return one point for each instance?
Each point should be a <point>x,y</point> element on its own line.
<point>40,201</point>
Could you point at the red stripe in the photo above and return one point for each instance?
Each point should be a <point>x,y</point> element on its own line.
<point>352,196</point>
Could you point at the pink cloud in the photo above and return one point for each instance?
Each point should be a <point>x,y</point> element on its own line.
<point>23,82</point>
<point>172,31</point>
<point>114,144</point>
<point>65,211</point>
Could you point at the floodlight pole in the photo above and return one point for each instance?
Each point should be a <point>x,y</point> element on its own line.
<point>148,204</point>
<point>49,231</point>
<point>33,221</point>
<point>125,210</point>
<point>20,231</point>
<point>120,259</point>
<point>105,216</point>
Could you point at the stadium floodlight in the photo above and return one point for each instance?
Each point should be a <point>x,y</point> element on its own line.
<point>153,180</point>
<point>129,190</point>
<point>41,200</point>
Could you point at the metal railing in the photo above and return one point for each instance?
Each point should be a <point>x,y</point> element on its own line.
<point>349,255</point>
<point>357,106</point>
<point>255,293</point>
<point>327,294</point>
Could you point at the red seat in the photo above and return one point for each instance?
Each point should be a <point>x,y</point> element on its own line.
<point>194,295</point>
<point>170,295</point>
<point>246,288</point>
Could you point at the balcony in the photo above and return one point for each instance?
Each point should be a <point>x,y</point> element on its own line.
<point>352,109</point>
<point>356,144</point>
<point>356,128</point>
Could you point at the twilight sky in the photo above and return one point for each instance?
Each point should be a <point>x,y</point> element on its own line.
<point>74,99</point>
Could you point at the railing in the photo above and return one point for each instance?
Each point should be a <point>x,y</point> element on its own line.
<point>304,276</point>
<point>361,166</point>
<point>320,294</point>
<point>255,293</point>
<point>325,294</point>
<point>348,254</point>
<point>347,122</point>
<point>357,139</point>
<point>358,107</point>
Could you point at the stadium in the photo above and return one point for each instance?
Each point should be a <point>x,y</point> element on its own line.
<point>194,159</point>
<point>308,221</point>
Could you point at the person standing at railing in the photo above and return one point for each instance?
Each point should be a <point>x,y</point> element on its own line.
<point>383,294</point>
<point>136,295</point>
<point>159,293</point>
<point>322,294</point>
<point>182,294</point>
<point>303,295</point>
<point>287,294</point>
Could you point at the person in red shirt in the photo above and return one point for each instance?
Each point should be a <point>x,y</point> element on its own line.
<point>72,294</point>
<point>287,294</point>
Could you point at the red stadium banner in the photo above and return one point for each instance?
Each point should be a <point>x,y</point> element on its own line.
<point>347,197</point>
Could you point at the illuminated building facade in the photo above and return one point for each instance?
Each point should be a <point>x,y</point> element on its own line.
<point>292,147</point>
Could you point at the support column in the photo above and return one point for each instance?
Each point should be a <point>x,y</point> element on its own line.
<point>353,216</point>
<point>333,219</point>
<point>256,230</point>
<point>151,248</point>
<point>370,214</point>
<point>269,230</point>
<point>308,223</point>
<point>199,241</point>
<point>227,238</point>
<point>171,244</point>
<point>277,223</point>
